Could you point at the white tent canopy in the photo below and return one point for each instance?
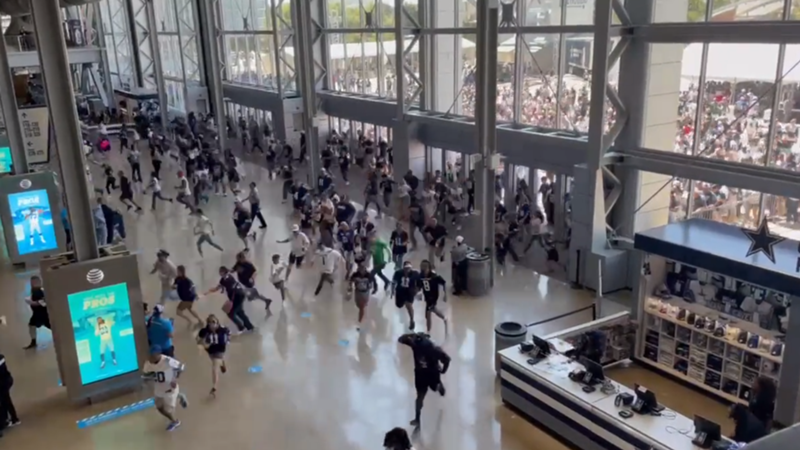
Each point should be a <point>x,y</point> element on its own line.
<point>743,62</point>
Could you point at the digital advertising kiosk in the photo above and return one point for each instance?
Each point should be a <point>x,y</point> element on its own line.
<point>98,324</point>
<point>29,210</point>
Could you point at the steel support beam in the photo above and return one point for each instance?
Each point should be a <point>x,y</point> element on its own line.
<point>211,27</point>
<point>488,12</point>
<point>302,22</point>
<point>8,100</point>
<point>64,115</point>
<point>597,107</point>
<point>158,69</point>
<point>755,32</point>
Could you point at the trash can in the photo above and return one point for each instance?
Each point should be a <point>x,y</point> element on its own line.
<point>479,274</point>
<point>507,334</point>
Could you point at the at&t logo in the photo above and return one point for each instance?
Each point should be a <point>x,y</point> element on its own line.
<point>95,276</point>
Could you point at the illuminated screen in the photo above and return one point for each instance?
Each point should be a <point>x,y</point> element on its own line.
<point>5,160</point>
<point>33,221</point>
<point>104,341</point>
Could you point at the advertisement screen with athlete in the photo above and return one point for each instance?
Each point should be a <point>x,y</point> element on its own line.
<point>104,341</point>
<point>33,221</point>
<point>6,164</point>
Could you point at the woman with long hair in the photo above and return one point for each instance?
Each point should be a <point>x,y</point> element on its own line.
<point>214,337</point>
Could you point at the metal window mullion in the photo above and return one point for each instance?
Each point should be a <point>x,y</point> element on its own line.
<point>179,27</point>
<point>113,40</point>
<point>276,61</point>
<point>773,122</point>
<point>562,67</point>
<point>519,73</point>
<point>399,58</point>
<point>363,65</point>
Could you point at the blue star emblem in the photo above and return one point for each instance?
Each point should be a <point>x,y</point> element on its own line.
<point>762,241</point>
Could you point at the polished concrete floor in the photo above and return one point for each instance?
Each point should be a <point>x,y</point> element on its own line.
<point>323,384</point>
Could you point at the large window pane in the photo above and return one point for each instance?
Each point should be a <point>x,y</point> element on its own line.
<point>262,15</point>
<point>725,204</point>
<point>672,95</point>
<point>678,11</point>
<point>783,215</point>
<point>579,12</point>
<point>452,54</point>
<point>540,86</point>
<point>166,22</point>
<point>576,64</point>
<point>538,13</point>
<point>739,97</point>
<point>734,11</point>
<point>266,61</point>
<point>506,54</point>
<point>785,149</point>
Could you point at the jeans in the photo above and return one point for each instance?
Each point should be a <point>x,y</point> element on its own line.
<point>205,237</point>
<point>101,234</point>
<point>377,270</point>
<point>237,314</point>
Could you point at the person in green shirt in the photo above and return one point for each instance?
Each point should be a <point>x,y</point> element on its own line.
<point>380,256</point>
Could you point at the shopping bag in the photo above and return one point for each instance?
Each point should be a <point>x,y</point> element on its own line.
<point>227,307</point>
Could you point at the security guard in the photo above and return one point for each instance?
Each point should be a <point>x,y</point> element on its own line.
<point>458,256</point>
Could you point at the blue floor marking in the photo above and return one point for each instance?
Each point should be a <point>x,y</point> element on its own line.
<point>344,342</point>
<point>305,315</point>
<point>255,369</point>
<point>116,413</point>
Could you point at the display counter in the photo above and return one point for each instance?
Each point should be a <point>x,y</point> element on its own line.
<point>544,394</point>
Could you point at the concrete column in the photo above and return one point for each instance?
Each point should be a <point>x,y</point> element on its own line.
<point>64,115</point>
<point>304,55</point>
<point>209,17</point>
<point>8,100</point>
<point>158,68</point>
<point>447,57</point>
<point>588,225</point>
<point>409,152</point>
<point>486,119</point>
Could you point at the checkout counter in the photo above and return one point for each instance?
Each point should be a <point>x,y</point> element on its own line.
<point>542,391</point>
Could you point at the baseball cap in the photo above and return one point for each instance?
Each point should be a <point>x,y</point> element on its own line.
<point>155,349</point>
<point>295,227</point>
<point>459,239</point>
<point>158,309</point>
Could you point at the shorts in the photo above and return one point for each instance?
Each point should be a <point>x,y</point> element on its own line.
<point>39,319</point>
<point>361,298</point>
<point>167,401</point>
<point>183,305</point>
<point>278,285</point>
<point>402,300</point>
<point>297,260</point>
<point>216,355</point>
<point>106,344</point>
<point>126,196</point>
<point>429,379</point>
<point>430,304</point>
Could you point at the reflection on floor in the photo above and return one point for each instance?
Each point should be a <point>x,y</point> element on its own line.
<point>675,396</point>
<point>323,385</point>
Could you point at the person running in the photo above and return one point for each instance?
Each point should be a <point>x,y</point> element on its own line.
<point>403,289</point>
<point>164,371</point>
<point>277,275</point>
<point>159,331</point>
<point>246,272</point>
<point>39,317</point>
<point>399,240</point>
<point>214,338</point>
<point>243,222</point>
<point>430,282</point>
<point>204,229</point>
<point>430,363</point>
<point>187,293</point>
<point>361,282</point>
<point>255,205</point>
<point>155,185</point>
<point>380,252</point>
<point>347,242</point>
<point>299,246</point>
<point>126,192</point>
<point>184,189</point>
<point>236,298</point>
<point>166,273</point>
<point>331,261</point>
<point>436,234</point>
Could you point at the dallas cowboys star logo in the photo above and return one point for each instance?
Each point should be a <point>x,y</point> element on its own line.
<point>762,241</point>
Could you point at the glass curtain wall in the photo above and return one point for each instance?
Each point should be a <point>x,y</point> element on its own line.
<point>114,16</point>
<point>250,41</point>
<point>177,32</point>
<point>735,102</point>
<point>362,48</point>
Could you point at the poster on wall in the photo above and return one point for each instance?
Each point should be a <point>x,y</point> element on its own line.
<point>33,221</point>
<point>103,332</point>
<point>35,123</point>
<point>6,164</point>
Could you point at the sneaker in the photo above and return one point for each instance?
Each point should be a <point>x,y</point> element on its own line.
<point>103,365</point>
<point>173,425</point>
<point>30,346</point>
<point>14,423</point>
<point>223,368</point>
<point>414,423</point>
<point>114,361</point>
<point>411,326</point>
<point>185,402</point>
